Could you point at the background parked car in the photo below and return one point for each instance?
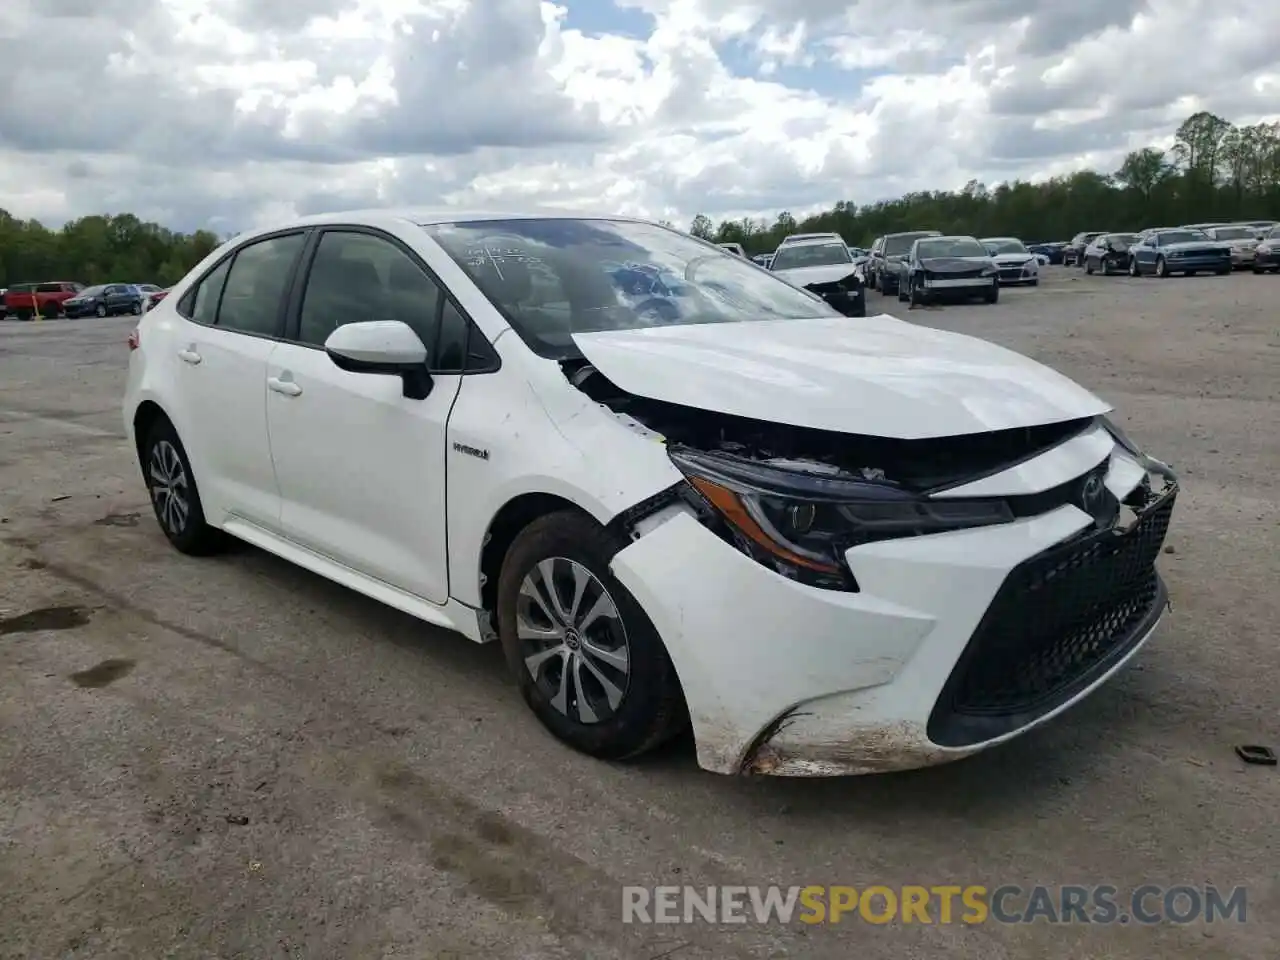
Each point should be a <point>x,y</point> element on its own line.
<point>823,267</point>
<point>948,267</point>
<point>1051,251</point>
<point>882,269</point>
<point>1109,252</point>
<point>29,300</point>
<point>1073,252</point>
<point>1262,228</point>
<point>1241,239</point>
<point>105,300</point>
<point>1267,255</point>
<point>152,299</point>
<point>1167,252</point>
<point>1017,264</point>
<point>733,248</point>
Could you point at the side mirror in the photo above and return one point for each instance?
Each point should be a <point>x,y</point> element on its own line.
<point>387,347</point>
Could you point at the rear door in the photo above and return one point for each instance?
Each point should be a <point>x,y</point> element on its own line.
<point>235,317</point>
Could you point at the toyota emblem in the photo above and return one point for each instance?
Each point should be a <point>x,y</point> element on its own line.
<point>1091,492</point>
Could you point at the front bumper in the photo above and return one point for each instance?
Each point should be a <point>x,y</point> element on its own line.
<point>1243,257</point>
<point>1014,273</point>
<point>958,283</point>
<point>955,642</point>
<point>1198,263</point>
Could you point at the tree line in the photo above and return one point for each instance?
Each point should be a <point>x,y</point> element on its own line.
<point>98,249</point>
<point>1214,171</point>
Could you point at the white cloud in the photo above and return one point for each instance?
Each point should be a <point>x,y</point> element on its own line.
<point>229,112</point>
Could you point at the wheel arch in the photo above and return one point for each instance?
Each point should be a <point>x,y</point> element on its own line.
<point>512,518</point>
<point>145,417</point>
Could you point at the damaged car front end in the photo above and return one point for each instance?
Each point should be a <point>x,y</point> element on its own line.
<point>863,544</point>
<point>825,268</point>
<point>839,602</point>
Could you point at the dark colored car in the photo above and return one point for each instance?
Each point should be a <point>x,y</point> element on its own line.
<point>1050,251</point>
<point>1188,252</point>
<point>886,257</point>
<point>1267,258</point>
<point>29,300</point>
<point>1073,252</point>
<point>1109,252</point>
<point>105,300</point>
<point>952,268</point>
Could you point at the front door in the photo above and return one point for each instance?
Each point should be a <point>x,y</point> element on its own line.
<point>361,467</point>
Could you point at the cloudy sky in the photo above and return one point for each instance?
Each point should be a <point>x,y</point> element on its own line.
<point>226,113</point>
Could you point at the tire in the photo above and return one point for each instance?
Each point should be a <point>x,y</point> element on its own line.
<point>902,295</point>
<point>1088,267</point>
<point>100,311</point>
<point>918,297</point>
<point>136,309</point>
<point>1034,283</point>
<point>650,708</point>
<point>993,295</point>
<point>165,467</point>
<point>1133,267</point>
<point>1162,268</point>
<point>1223,272</point>
<point>50,311</point>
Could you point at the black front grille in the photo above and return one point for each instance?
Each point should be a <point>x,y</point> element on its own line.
<point>955,274</point>
<point>1058,622</point>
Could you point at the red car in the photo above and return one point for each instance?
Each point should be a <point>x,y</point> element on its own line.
<point>153,297</point>
<point>29,300</point>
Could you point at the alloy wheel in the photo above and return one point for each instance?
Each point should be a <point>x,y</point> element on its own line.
<point>572,640</point>
<point>170,490</point>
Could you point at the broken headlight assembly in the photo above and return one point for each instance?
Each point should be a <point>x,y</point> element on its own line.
<point>800,522</point>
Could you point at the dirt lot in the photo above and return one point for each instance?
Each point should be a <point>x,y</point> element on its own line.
<point>233,758</point>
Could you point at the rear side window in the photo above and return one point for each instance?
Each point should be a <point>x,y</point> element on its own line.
<point>49,288</point>
<point>257,283</point>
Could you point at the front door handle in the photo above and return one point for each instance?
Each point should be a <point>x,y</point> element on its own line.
<point>189,356</point>
<point>287,387</point>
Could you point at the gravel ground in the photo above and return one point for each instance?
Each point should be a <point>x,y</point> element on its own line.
<point>234,758</point>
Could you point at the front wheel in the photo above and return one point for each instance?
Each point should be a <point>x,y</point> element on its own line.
<point>100,310</point>
<point>993,295</point>
<point>588,661</point>
<point>1162,268</point>
<point>919,297</point>
<point>1133,266</point>
<point>1088,267</point>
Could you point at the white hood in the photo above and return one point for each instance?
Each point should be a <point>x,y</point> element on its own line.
<point>803,276</point>
<point>877,376</point>
<point>1013,257</point>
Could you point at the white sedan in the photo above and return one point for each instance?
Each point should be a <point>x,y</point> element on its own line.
<point>680,492</point>
<point>1017,264</point>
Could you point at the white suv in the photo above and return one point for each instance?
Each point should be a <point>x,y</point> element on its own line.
<point>678,489</point>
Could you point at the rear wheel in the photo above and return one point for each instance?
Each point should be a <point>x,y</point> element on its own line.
<point>174,495</point>
<point>588,661</point>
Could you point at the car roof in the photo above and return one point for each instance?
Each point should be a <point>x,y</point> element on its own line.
<point>994,239</point>
<point>816,240</point>
<point>952,236</point>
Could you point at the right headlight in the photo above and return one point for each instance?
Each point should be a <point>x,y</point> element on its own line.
<point>800,523</point>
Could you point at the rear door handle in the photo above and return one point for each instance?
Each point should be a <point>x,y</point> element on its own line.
<point>287,387</point>
<point>189,356</point>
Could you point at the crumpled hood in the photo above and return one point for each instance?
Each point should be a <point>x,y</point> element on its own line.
<point>803,276</point>
<point>877,376</point>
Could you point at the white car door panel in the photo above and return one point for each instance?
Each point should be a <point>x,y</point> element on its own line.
<point>224,376</point>
<point>361,468</point>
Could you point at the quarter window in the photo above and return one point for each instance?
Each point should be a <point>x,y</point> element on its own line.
<point>257,283</point>
<point>205,307</point>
